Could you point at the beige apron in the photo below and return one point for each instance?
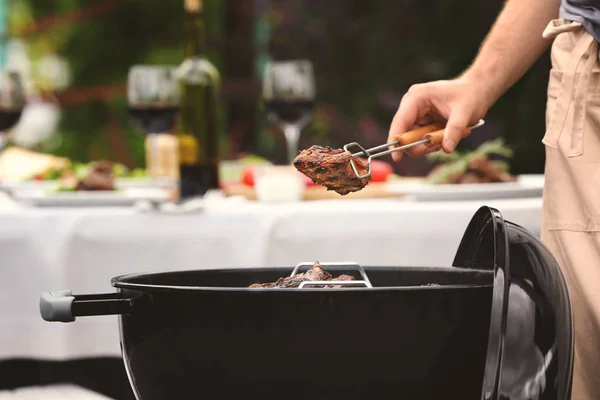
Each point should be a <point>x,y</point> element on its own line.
<point>571,210</point>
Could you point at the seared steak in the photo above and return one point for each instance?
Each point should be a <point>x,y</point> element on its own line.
<point>316,273</point>
<point>489,171</point>
<point>479,170</point>
<point>331,168</point>
<point>100,177</point>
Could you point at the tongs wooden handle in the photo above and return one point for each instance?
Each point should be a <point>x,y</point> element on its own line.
<point>434,133</point>
<point>415,135</point>
<point>429,135</point>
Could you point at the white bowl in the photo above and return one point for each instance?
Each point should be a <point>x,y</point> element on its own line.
<point>278,184</point>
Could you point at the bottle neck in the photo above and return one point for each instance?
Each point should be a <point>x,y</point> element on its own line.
<point>195,34</point>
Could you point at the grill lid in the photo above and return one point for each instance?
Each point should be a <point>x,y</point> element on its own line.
<point>530,344</point>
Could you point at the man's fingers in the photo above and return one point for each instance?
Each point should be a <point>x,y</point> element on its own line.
<point>455,129</point>
<point>425,120</point>
<point>433,149</point>
<point>405,117</point>
<point>417,151</point>
<point>421,150</point>
<point>397,156</point>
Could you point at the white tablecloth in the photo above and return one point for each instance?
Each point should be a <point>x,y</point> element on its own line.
<point>82,249</point>
<point>51,392</point>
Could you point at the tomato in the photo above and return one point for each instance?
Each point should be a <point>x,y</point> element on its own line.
<point>39,177</point>
<point>380,171</point>
<point>308,181</point>
<point>248,175</point>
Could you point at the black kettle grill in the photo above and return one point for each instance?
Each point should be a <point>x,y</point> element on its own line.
<point>496,325</point>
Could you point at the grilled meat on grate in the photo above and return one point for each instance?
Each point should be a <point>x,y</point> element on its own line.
<point>331,168</point>
<point>316,273</point>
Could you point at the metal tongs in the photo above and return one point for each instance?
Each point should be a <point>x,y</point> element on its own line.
<point>429,135</point>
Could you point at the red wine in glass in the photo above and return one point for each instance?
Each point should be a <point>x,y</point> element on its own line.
<point>289,93</point>
<point>289,111</point>
<point>9,117</point>
<point>154,118</point>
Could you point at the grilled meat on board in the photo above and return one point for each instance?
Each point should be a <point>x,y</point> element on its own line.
<point>486,168</point>
<point>316,273</point>
<point>480,170</point>
<point>331,168</point>
<point>101,177</point>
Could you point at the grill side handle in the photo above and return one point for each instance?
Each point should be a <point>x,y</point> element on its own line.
<point>64,306</point>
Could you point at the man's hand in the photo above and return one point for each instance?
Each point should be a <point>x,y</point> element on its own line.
<point>514,43</point>
<point>456,101</point>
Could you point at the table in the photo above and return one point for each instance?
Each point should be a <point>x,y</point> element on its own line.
<point>51,392</point>
<point>82,249</point>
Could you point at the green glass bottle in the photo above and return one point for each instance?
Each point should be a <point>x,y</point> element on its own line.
<point>199,120</point>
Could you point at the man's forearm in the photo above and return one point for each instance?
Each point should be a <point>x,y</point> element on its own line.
<point>513,45</point>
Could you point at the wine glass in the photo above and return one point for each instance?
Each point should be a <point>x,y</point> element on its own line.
<point>289,94</point>
<point>12,102</point>
<point>153,97</point>
<point>153,104</point>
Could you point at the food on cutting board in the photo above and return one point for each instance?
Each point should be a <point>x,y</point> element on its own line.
<point>245,185</point>
<point>472,167</point>
<point>380,172</point>
<point>99,176</point>
<point>316,273</point>
<point>234,171</point>
<point>331,168</point>
<point>247,176</point>
<point>82,169</point>
<point>18,164</point>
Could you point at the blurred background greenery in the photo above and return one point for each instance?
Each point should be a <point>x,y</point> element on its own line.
<point>366,55</point>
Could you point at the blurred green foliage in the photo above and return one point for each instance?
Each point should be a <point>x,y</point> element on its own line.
<point>366,55</point>
<point>100,49</point>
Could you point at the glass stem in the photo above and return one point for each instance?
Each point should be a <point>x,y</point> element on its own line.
<point>292,137</point>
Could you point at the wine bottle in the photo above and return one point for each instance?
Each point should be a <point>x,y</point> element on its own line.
<point>199,81</point>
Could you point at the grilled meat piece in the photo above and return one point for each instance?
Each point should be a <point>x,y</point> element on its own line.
<point>316,273</point>
<point>487,168</point>
<point>470,177</point>
<point>341,278</point>
<point>101,177</point>
<point>331,168</point>
<point>480,170</point>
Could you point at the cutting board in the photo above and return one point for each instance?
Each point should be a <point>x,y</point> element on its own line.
<point>372,191</point>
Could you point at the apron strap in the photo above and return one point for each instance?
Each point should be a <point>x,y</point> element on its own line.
<point>558,26</point>
<point>586,49</point>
